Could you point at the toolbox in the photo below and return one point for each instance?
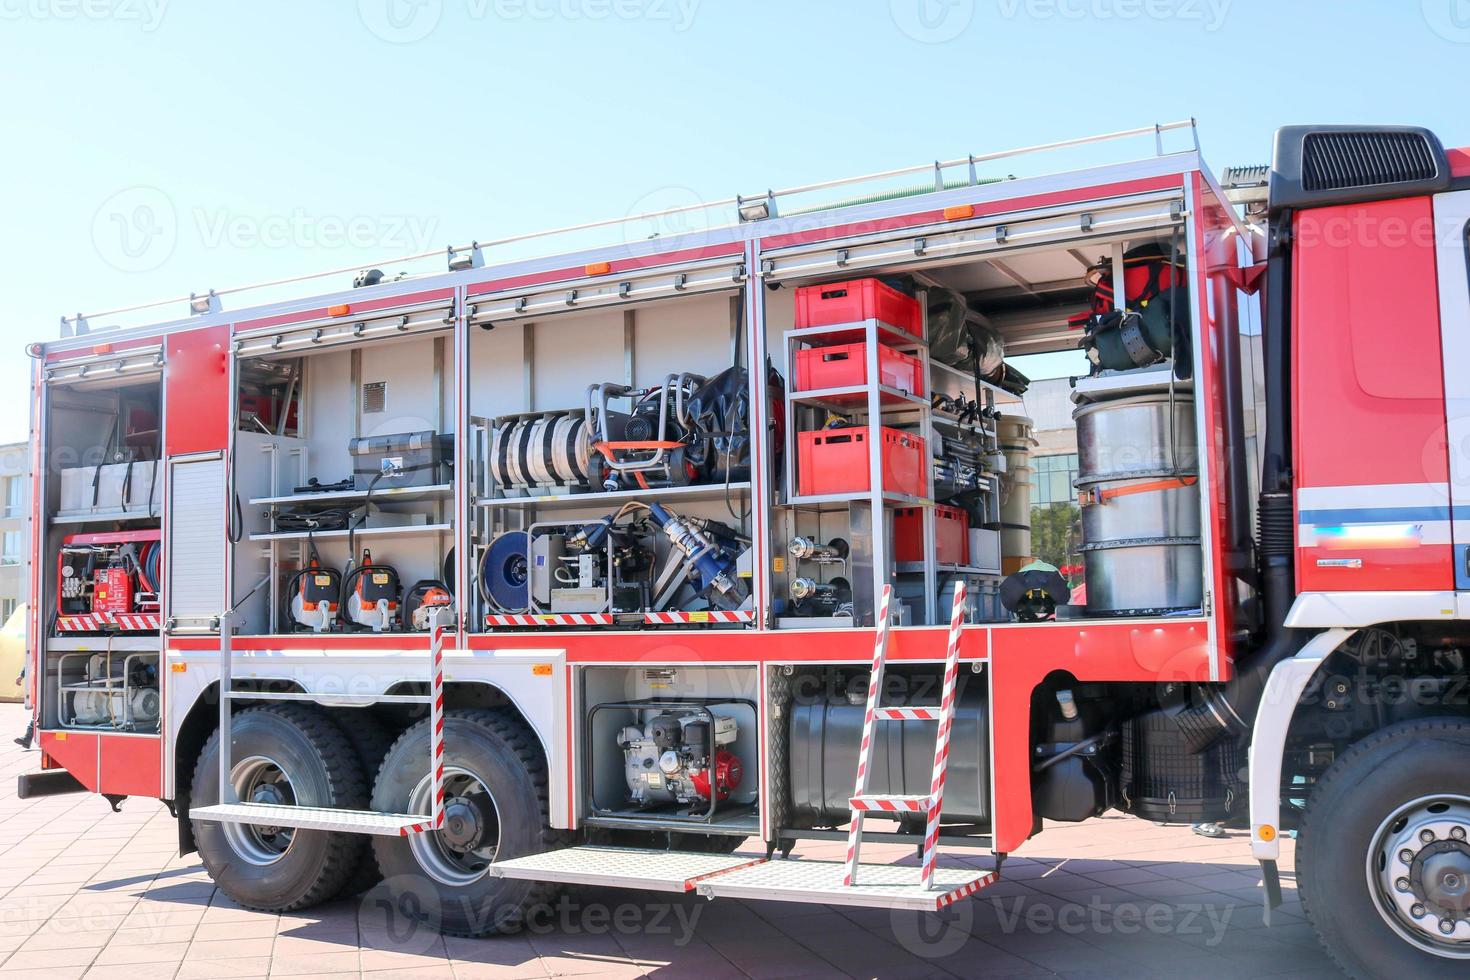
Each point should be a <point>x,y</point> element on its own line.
<point>836,461</point>
<point>846,366</point>
<point>404,459</point>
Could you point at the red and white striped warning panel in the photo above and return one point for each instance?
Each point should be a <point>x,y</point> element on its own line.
<point>707,616</point>
<point>891,804</point>
<point>98,622</point>
<point>906,714</point>
<point>549,619</point>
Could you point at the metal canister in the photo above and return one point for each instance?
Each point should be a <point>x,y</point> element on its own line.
<point>1137,479</point>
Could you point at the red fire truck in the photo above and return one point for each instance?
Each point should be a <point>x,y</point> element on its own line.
<point>592,565</point>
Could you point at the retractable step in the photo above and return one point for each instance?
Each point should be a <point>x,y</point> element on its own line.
<point>883,886</point>
<point>315,818</point>
<point>623,867</point>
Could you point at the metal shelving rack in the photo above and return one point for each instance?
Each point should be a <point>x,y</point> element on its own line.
<point>877,403</point>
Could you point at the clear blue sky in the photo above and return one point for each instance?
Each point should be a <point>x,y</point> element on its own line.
<point>278,137</point>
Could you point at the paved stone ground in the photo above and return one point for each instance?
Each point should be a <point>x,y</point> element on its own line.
<point>85,892</point>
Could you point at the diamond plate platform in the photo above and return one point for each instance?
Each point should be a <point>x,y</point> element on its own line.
<point>623,867</point>
<point>312,818</point>
<point>883,886</point>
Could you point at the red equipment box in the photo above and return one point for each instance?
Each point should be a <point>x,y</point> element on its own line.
<point>836,461</point>
<point>846,365</point>
<point>854,300</point>
<point>951,535</point>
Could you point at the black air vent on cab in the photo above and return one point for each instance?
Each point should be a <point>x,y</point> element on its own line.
<point>1320,165</point>
<point>1331,161</point>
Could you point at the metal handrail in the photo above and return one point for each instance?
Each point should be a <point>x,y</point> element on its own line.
<point>770,196</point>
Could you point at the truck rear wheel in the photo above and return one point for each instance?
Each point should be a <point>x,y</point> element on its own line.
<point>1383,859</point>
<point>495,805</point>
<point>287,754</point>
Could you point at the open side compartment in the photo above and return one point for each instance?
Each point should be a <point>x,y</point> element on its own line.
<point>612,481</point>
<point>102,497</point>
<point>920,346</point>
<point>670,749</point>
<point>343,474</point>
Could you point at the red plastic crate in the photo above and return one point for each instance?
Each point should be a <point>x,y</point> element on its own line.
<point>951,535</point>
<point>846,365</point>
<point>854,300</point>
<point>836,461</point>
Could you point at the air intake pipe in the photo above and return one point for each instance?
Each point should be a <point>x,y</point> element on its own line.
<point>1230,709</point>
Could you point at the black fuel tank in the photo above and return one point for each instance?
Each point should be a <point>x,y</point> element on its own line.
<point>825,737</point>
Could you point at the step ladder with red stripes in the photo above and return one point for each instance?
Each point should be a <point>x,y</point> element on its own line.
<point>864,802</point>
<point>231,809</point>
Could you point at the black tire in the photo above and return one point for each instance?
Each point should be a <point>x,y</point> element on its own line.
<point>497,749</point>
<point>1368,784</point>
<point>322,770</point>
<point>371,741</point>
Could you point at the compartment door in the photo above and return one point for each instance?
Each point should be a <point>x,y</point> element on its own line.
<point>195,579</point>
<point>1452,231</point>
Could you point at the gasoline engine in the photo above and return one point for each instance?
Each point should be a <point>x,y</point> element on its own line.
<point>679,758</point>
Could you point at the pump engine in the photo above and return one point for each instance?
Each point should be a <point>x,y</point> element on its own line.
<point>671,759</point>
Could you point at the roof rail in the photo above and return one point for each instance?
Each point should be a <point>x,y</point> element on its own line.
<point>753,208</point>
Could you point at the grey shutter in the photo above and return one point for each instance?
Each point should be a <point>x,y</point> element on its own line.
<point>196,546</point>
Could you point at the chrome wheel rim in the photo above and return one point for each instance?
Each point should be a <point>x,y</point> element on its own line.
<point>260,779</point>
<point>462,850</point>
<point>1419,874</point>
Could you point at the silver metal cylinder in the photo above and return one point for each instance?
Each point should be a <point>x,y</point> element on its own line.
<point>1138,468</point>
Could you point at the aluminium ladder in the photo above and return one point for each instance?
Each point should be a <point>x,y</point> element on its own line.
<point>231,809</point>
<point>863,802</point>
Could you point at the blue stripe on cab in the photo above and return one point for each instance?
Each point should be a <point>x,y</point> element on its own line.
<point>1375,515</point>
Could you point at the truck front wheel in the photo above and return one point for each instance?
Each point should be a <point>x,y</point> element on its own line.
<point>1383,859</point>
<point>495,800</point>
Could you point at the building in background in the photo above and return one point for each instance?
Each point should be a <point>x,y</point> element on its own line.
<point>15,515</point>
<point>1054,512</point>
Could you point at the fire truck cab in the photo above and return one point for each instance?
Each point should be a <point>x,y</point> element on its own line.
<point>637,563</point>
